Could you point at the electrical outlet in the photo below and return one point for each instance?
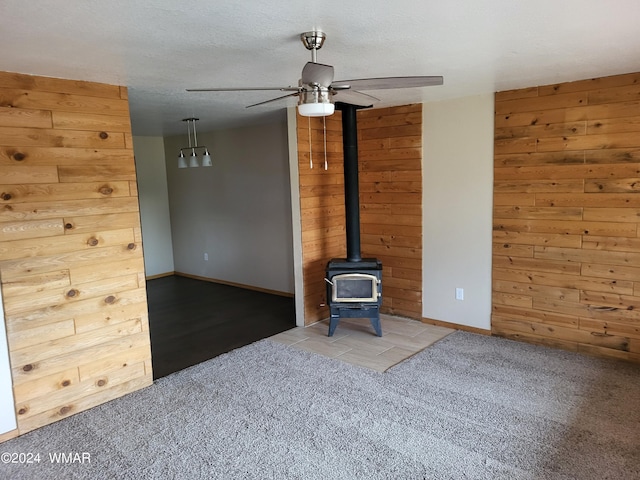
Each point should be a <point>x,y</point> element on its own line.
<point>206,257</point>
<point>459,293</point>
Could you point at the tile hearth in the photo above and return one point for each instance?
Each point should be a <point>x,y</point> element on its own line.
<point>355,342</point>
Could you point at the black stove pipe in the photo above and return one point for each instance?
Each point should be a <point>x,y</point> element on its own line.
<point>351,190</point>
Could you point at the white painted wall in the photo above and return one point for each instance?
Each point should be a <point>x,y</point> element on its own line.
<point>154,205</point>
<point>7,407</point>
<point>238,211</point>
<point>457,210</point>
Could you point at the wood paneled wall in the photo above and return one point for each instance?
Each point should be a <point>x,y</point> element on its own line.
<point>390,152</point>
<point>390,162</point>
<point>566,257</point>
<point>71,262</point>
<point>321,206</point>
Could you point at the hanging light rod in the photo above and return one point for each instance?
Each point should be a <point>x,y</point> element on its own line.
<point>193,158</point>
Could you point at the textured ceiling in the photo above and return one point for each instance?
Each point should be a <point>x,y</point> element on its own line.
<point>158,48</point>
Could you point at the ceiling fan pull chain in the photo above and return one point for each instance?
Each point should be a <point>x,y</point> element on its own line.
<point>324,131</point>
<point>310,152</point>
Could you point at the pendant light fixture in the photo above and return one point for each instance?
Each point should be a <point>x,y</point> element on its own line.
<point>193,157</point>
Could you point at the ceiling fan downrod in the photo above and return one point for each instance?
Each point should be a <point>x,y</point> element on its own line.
<point>313,41</point>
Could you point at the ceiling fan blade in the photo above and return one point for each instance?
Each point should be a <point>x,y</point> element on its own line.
<point>317,73</point>
<point>246,89</point>
<point>273,100</point>
<point>388,82</point>
<point>354,98</point>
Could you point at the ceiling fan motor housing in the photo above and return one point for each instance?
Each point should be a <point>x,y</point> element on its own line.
<point>315,94</point>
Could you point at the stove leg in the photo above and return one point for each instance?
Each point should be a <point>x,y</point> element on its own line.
<point>375,323</point>
<point>333,323</point>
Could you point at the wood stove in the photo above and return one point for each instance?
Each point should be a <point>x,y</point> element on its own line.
<point>354,290</point>
<point>354,284</point>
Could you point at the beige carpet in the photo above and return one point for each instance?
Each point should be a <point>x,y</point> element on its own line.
<point>469,406</point>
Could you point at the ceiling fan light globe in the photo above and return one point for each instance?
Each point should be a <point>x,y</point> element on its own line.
<point>316,109</point>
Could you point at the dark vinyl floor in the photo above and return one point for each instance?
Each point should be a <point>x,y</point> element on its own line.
<point>191,321</point>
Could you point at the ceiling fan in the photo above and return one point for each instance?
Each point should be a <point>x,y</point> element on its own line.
<point>316,90</point>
